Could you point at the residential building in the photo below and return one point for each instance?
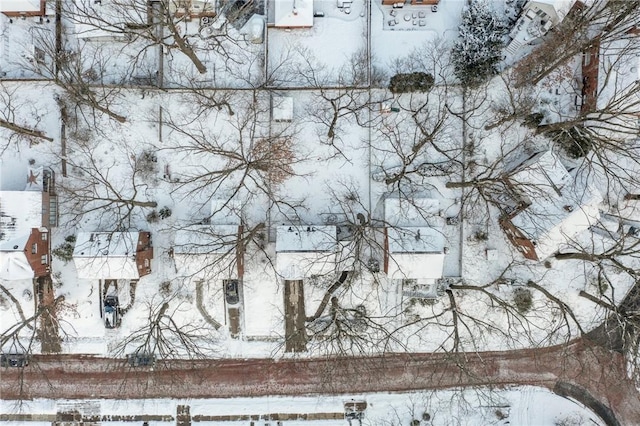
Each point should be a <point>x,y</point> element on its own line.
<point>536,19</point>
<point>544,207</point>
<point>26,218</point>
<point>303,251</point>
<point>113,255</point>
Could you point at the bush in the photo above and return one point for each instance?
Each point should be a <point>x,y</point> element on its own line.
<point>477,53</point>
<point>575,141</point>
<point>522,300</point>
<point>411,82</point>
<point>153,216</point>
<point>165,212</point>
<point>64,251</point>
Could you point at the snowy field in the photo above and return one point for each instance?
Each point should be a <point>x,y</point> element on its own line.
<point>310,154</point>
<point>521,406</point>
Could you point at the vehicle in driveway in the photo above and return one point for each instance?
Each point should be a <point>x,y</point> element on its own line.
<point>111,311</point>
<point>231,294</point>
<point>14,360</point>
<point>141,360</point>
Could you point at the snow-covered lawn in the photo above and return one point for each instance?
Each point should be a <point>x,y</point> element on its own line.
<point>519,405</point>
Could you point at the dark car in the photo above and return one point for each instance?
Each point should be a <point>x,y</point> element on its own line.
<point>231,292</point>
<point>14,360</point>
<point>111,312</point>
<point>141,360</point>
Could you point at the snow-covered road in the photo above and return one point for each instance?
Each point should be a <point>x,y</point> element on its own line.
<point>590,368</point>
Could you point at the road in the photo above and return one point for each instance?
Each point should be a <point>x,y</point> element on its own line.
<point>580,365</point>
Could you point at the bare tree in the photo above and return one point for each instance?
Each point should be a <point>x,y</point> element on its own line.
<point>601,20</point>
<point>112,191</point>
<point>161,23</point>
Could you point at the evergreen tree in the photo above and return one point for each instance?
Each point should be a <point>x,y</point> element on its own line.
<point>475,56</point>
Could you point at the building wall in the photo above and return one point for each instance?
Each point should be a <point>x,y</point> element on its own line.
<point>144,253</point>
<point>36,250</point>
<point>522,243</point>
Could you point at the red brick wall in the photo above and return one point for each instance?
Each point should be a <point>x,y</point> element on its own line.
<point>41,249</point>
<point>144,253</point>
<point>522,243</point>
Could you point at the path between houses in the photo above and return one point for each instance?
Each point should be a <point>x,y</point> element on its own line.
<point>587,369</point>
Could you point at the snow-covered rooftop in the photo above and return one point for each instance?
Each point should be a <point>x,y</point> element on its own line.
<point>305,251</point>
<point>401,211</point>
<point>416,253</point>
<point>415,240</point>
<point>559,209</point>
<point>541,172</point>
<point>103,255</point>
<point>14,265</point>
<point>20,211</point>
<point>295,238</point>
<point>554,222</point>
<point>293,13</point>
<point>20,5</point>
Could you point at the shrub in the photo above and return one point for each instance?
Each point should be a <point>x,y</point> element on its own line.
<point>575,141</point>
<point>64,251</point>
<point>153,216</point>
<point>165,212</point>
<point>411,82</point>
<point>522,300</point>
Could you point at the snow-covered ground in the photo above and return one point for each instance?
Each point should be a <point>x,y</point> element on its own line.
<point>337,160</point>
<point>520,405</point>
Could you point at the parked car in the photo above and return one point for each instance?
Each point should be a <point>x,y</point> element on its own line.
<point>231,292</point>
<point>14,360</point>
<point>111,312</point>
<point>141,360</point>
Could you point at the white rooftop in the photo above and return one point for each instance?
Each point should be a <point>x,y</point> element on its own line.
<point>540,174</point>
<point>293,13</point>
<point>400,211</point>
<point>14,265</point>
<point>306,238</point>
<point>20,211</point>
<point>303,251</point>
<point>19,5</point>
<point>560,208</point>
<point>551,225</point>
<point>415,240</point>
<point>103,255</point>
<point>416,253</point>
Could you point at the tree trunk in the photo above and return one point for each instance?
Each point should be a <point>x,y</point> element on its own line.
<point>24,130</point>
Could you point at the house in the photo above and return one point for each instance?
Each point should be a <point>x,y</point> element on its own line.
<point>293,13</point>
<point>26,218</point>
<point>544,207</point>
<point>23,8</point>
<point>415,258</point>
<point>303,251</point>
<point>206,251</point>
<point>536,19</point>
<point>113,255</point>
<point>414,244</point>
<point>610,74</point>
